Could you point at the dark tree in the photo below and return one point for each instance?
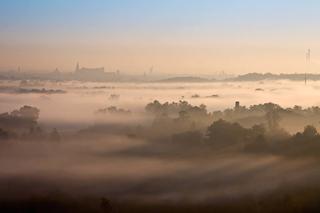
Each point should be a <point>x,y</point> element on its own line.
<point>226,133</point>
<point>310,132</point>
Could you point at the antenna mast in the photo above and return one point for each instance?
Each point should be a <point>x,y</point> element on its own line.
<point>308,59</point>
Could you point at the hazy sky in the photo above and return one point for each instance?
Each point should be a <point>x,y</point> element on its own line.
<point>174,36</point>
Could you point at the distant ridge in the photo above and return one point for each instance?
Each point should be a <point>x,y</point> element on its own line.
<point>98,75</point>
<point>270,76</point>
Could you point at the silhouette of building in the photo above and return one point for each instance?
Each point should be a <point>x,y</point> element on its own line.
<point>95,74</point>
<point>85,70</point>
<point>237,106</point>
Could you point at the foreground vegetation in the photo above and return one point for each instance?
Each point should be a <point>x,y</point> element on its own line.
<point>172,133</point>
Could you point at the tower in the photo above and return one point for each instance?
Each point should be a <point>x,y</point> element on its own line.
<point>308,55</point>
<point>77,67</point>
<point>237,105</point>
<point>308,59</point>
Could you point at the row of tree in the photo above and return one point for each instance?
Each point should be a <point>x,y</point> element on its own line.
<point>23,124</point>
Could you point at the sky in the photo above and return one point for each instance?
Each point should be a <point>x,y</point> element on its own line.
<point>173,36</point>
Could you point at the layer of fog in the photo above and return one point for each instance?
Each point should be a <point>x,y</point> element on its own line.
<point>103,168</point>
<point>75,108</point>
<point>120,167</point>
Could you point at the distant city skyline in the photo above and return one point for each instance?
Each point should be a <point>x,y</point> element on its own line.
<point>174,36</point>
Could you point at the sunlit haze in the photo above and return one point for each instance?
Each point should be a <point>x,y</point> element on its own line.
<point>173,36</point>
<point>159,106</point>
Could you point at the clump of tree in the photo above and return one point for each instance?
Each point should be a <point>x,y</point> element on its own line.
<point>27,112</point>
<point>113,110</point>
<point>174,108</point>
<point>271,115</point>
<point>24,118</point>
<point>302,143</point>
<point>240,112</point>
<point>174,118</point>
<point>309,135</point>
<point>223,133</point>
<point>23,124</point>
<point>40,91</point>
<point>195,96</point>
